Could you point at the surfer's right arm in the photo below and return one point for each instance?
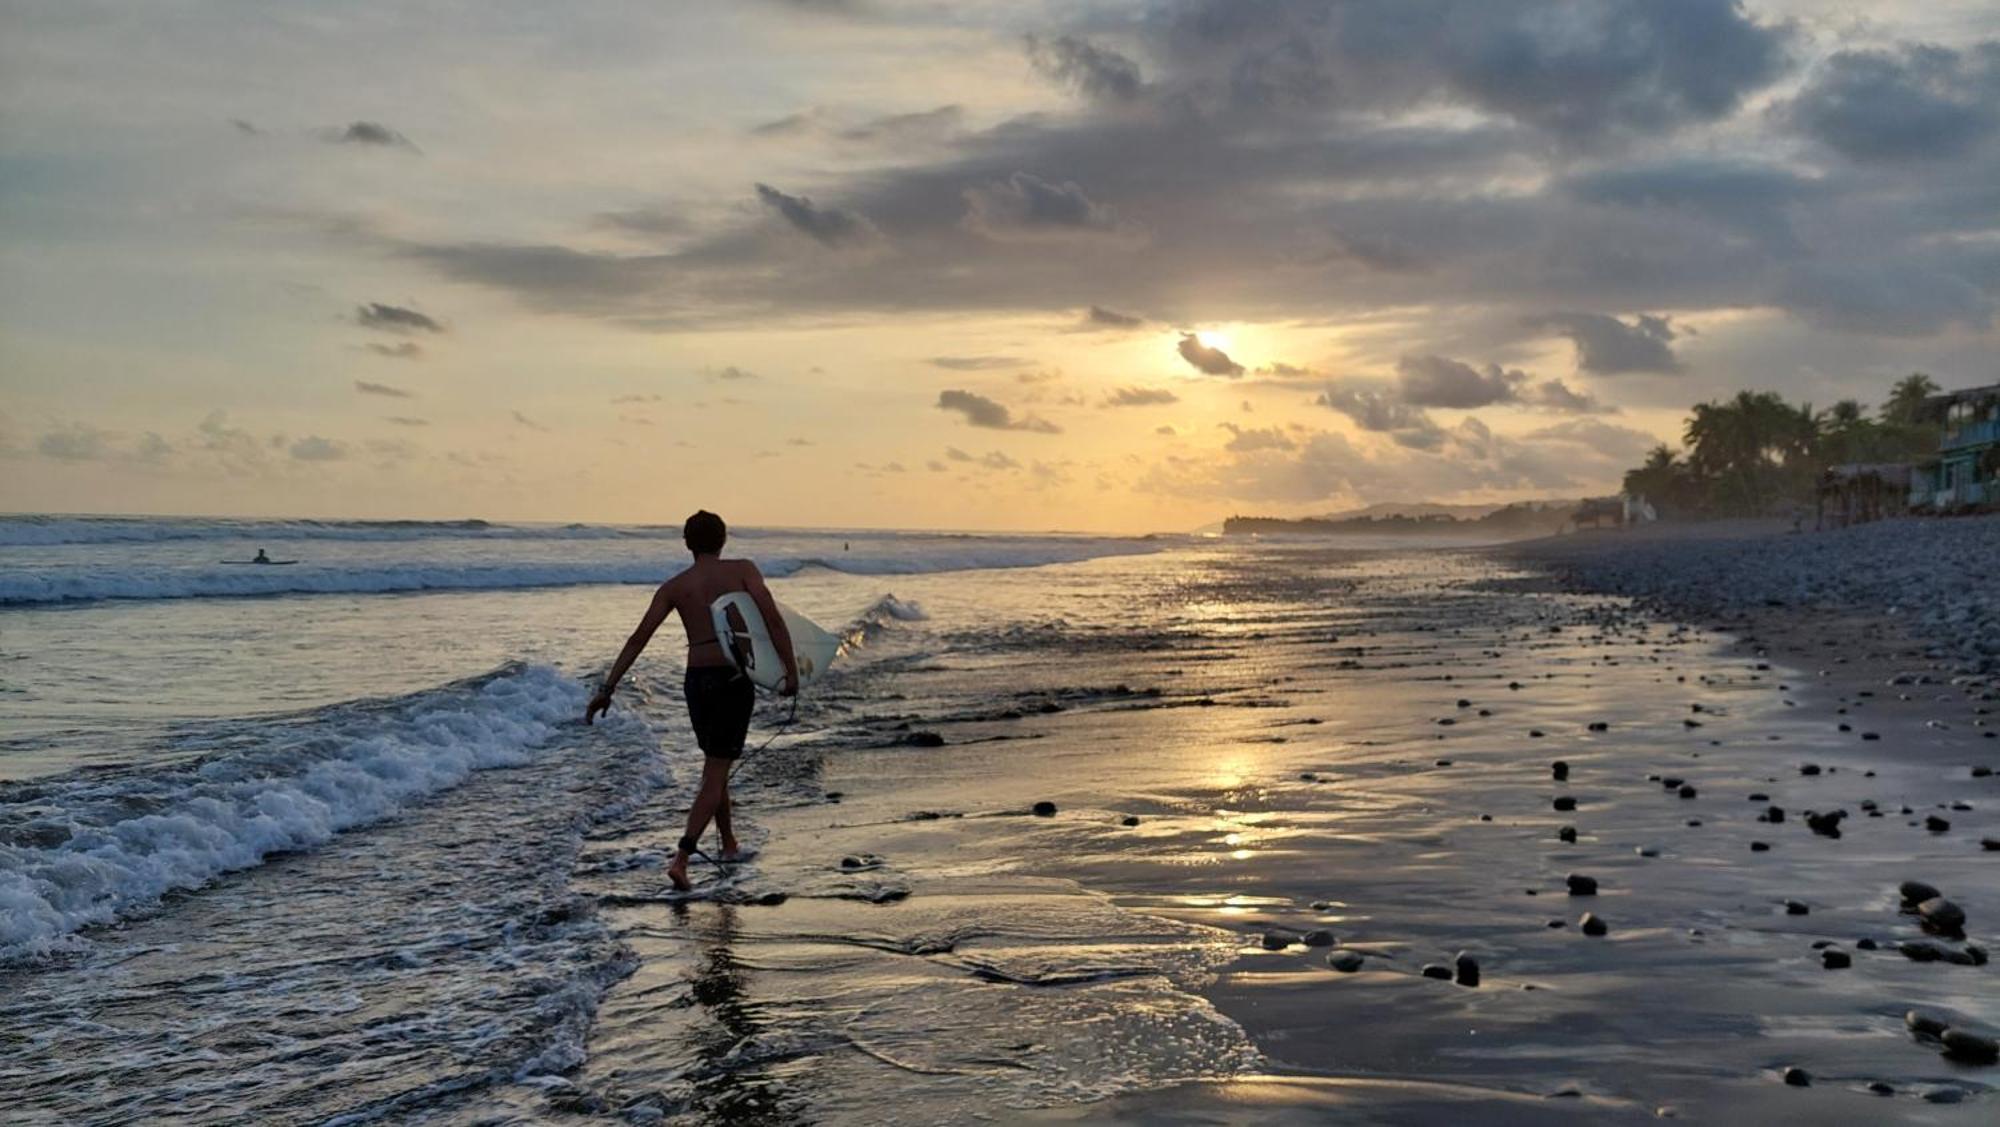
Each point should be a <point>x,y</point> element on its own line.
<point>663,604</point>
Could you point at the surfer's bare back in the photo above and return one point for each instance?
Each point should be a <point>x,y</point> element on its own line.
<point>719,696</point>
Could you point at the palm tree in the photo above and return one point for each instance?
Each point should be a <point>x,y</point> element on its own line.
<point>1906,399</point>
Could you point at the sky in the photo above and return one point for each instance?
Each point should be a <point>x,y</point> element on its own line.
<point>1125,267</point>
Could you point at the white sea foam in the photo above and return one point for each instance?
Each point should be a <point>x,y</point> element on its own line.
<point>88,848</point>
<point>23,586</point>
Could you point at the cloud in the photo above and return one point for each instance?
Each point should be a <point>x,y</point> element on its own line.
<point>313,448</point>
<point>618,399</point>
<point>1917,102</point>
<point>394,319</point>
<point>1098,317</point>
<point>653,222</point>
<point>407,421</point>
<point>1140,397</point>
<point>1208,358</point>
<point>1378,408</point>
<point>524,421</point>
<point>1026,208</point>
<point>1608,346</point>
<point>1555,395</point>
<point>1093,71</point>
<point>980,411</point>
<point>1436,381</point>
<point>827,226</point>
<point>246,128</point>
<point>908,128</point>
<point>76,442</point>
<point>976,363</point>
<point>366,387</point>
<point>730,372</point>
<point>1901,296</point>
<point>401,350</point>
<point>368,133</point>
<point>1244,440</point>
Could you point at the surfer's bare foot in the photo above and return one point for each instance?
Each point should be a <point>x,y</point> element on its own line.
<point>677,873</point>
<point>731,849</point>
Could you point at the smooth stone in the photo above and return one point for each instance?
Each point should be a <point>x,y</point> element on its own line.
<point>1279,940</point>
<point>1835,960</point>
<point>924,739</point>
<point>1435,970</point>
<point>1591,925</point>
<point>1915,892</point>
<point>1567,835</point>
<point>1864,944</point>
<point>1534,733</point>
<point>1918,951</point>
<point>1944,1096</point>
<point>1760,847</point>
<point>1467,968</point>
<point>1646,851</point>
<point>1560,770</point>
<point>1318,937</point>
<point>1129,820</point>
<point>1990,844</point>
<point>1581,885</point>
<point>1936,824</point>
<point>1796,908</point>
<point>1686,791</point>
<point>1322,905</point>
<point>1798,1077</point>
<point>1565,802</point>
<point>1881,1089</point>
<point>1599,726</point>
<point>1809,769</point>
<point>1346,962</point>
<point>1923,1024</point>
<point>1774,814</point>
<point>1044,809</point>
<point>1942,913</point>
<point>1965,1045</point>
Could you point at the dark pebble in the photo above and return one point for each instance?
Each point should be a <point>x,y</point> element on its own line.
<point>1467,968</point>
<point>1965,1045</point>
<point>1796,908</point>
<point>1567,835</point>
<point>1581,885</point>
<point>1936,824</point>
<point>1809,769</point>
<point>1915,892</point>
<point>1760,847</point>
<point>1941,913</point>
<point>1798,1077</point>
<point>1835,960</point>
<point>924,739</point>
<point>1279,940</point>
<point>1129,820</point>
<point>1591,925</point>
<point>1435,970</point>
<point>1319,937</point>
<point>1686,790</point>
<point>1565,802</point>
<point>1560,770</point>
<point>1599,726</point>
<point>1346,962</point>
<point>1044,809</point>
<point>1923,1024</point>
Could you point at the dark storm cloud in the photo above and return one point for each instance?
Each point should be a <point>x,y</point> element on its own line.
<point>1140,397</point>
<point>980,411</point>
<point>1916,102</point>
<point>1437,381</point>
<point>1608,346</point>
<point>1090,70</point>
<point>369,133</point>
<point>366,387</point>
<point>1752,200</point>
<point>1576,71</point>
<point>1207,358</point>
<point>394,319</point>
<point>1027,207</point>
<point>828,226</point>
<point>1288,160</point>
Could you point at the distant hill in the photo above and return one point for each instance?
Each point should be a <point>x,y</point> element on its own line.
<point>1516,521</point>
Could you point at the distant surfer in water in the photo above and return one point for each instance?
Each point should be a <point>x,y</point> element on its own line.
<point>719,698</point>
<point>262,556</point>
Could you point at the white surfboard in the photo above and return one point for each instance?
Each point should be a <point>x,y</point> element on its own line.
<point>747,641</point>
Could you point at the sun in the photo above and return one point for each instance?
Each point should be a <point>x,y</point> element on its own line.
<point>1215,339</point>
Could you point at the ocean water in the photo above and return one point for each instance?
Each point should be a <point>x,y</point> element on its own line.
<point>311,811</point>
<point>344,854</point>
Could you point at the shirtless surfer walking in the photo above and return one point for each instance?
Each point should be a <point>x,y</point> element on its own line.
<point>719,698</point>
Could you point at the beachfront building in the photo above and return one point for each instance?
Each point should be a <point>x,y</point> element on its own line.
<point>1966,471</point>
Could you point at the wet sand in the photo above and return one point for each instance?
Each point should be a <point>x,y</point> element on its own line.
<point>1319,740</point>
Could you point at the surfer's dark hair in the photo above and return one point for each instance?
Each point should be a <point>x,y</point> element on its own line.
<point>705,533</point>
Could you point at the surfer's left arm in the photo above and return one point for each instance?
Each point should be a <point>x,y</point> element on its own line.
<point>774,621</point>
<point>663,605</point>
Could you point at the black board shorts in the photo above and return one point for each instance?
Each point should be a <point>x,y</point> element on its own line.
<point>719,701</point>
